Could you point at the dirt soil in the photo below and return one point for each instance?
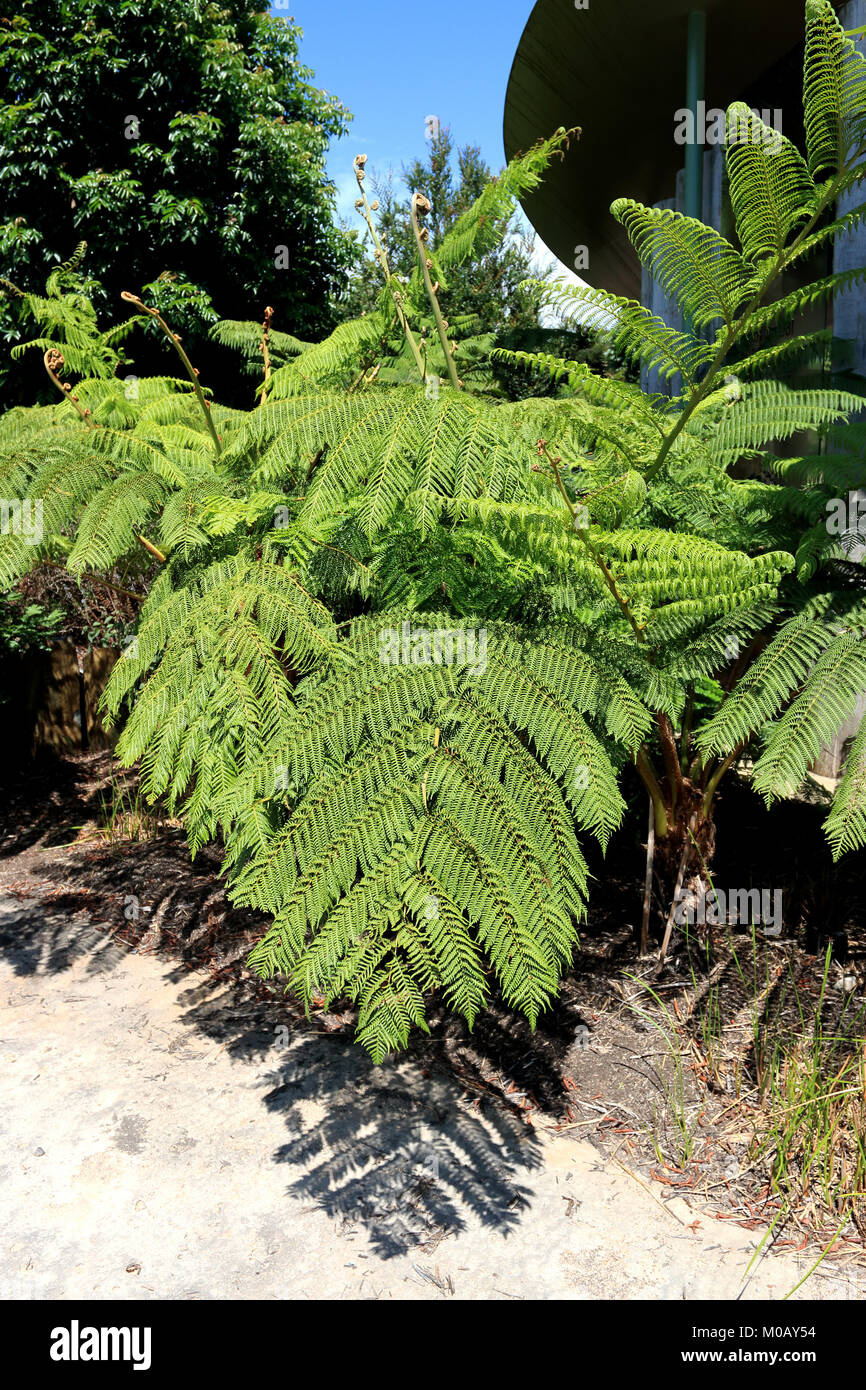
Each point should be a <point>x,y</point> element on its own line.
<point>176,1128</point>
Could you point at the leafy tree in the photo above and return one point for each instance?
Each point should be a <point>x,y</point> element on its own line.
<point>184,142</point>
<point>490,288</point>
<point>402,641</point>
<point>492,296</point>
<point>26,625</point>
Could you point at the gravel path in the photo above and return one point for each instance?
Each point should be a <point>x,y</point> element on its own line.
<point>161,1140</point>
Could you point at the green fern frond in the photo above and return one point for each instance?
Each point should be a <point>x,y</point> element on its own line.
<point>708,276</point>
<point>769,410</point>
<point>800,300</point>
<point>846,823</point>
<point>834,93</point>
<point>764,688</point>
<point>480,228</point>
<point>803,349</point>
<point>331,363</point>
<point>638,334</point>
<point>772,191</point>
<point>828,697</point>
<point>246,338</point>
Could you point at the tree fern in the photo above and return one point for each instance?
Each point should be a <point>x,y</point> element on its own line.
<point>67,321</point>
<point>308,679</point>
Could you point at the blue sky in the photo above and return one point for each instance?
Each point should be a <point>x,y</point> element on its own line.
<point>394,62</point>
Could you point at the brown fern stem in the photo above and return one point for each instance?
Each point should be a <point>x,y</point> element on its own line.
<point>151,549</point>
<point>190,369</point>
<point>422,204</point>
<point>366,211</point>
<point>53,361</point>
<point>669,753</point>
<point>265,348</point>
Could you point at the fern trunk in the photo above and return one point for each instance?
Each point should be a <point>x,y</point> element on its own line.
<point>684,835</point>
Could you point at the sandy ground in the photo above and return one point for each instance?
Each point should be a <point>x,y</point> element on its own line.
<point>164,1140</point>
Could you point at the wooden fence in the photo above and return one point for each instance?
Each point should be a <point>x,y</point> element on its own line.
<point>50,700</point>
<point>49,703</point>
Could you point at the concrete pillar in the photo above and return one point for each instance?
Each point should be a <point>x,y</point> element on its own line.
<point>831,760</point>
<point>653,297</point>
<point>849,308</point>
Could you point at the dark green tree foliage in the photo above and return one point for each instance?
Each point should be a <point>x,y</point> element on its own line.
<point>25,625</point>
<point>185,143</point>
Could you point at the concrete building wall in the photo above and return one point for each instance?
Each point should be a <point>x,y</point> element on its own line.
<point>849,309</point>
<point>652,294</point>
<point>849,322</point>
